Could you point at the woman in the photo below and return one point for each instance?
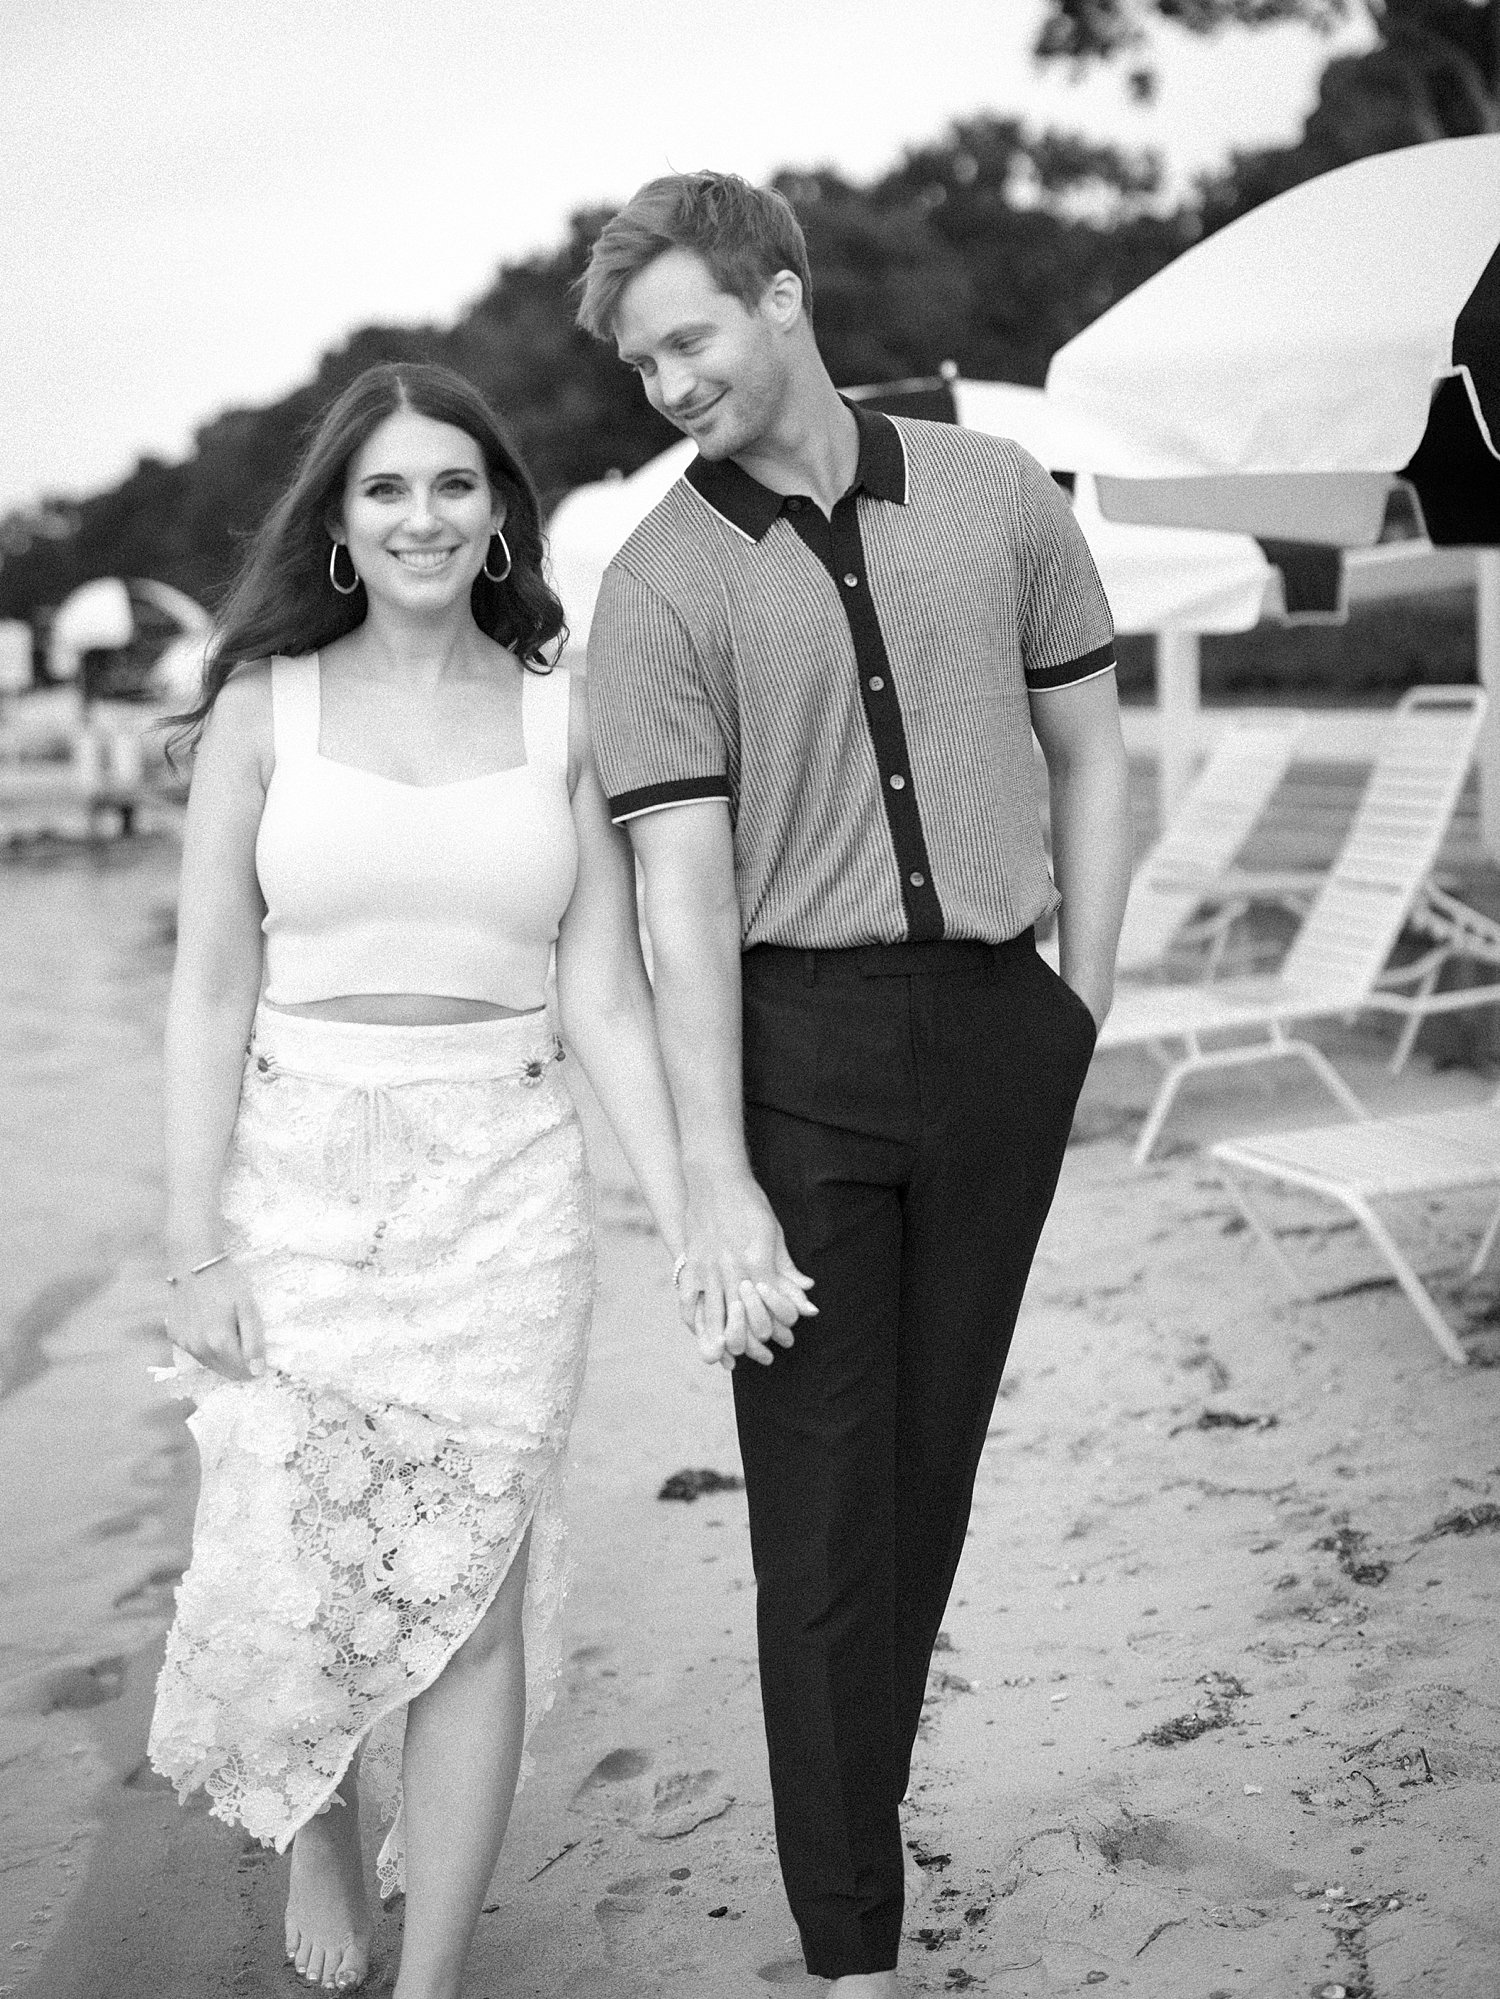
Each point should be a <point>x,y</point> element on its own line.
<point>378,1221</point>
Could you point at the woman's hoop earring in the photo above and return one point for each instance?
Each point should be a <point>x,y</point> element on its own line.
<point>344,589</point>
<point>505,545</point>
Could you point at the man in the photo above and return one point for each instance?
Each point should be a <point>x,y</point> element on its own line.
<point>815,670</point>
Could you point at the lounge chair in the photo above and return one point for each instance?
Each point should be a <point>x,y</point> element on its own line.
<point>1181,873</point>
<point>1370,1160</point>
<point>1336,961</point>
<point>1454,929</point>
<point>1183,870</point>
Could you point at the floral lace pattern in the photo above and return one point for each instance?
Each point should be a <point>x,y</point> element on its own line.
<point>426,1292</point>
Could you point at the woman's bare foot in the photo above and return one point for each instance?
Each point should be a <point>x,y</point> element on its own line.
<point>328,1925</point>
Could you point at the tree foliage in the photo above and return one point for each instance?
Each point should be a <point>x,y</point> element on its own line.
<point>1433,71</point>
<point>988,246</point>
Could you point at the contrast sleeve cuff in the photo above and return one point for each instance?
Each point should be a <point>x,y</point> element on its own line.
<point>1041,679</point>
<point>674,791</point>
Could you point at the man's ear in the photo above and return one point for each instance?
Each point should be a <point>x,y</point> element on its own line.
<point>781,300</point>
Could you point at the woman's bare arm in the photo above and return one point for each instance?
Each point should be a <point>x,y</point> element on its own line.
<point>604,999</point>
<point>215,986</point>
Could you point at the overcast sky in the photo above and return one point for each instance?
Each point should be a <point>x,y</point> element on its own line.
<point>198,199</point>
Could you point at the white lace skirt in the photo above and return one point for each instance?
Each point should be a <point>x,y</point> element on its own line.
<point>413,1212</point>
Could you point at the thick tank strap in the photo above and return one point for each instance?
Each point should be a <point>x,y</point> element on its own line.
<point>544,716</point>
<point>296,704</point>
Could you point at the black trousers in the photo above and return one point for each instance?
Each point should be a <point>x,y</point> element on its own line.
<point>906,1107</point>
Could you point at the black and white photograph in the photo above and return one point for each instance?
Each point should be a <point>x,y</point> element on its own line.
<point>750,999</point>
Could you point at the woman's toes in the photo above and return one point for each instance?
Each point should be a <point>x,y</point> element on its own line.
<point>353,1968</point>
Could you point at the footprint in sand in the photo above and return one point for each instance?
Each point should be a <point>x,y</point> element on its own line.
<point>682,1801</point>
<point>612,1908</point>
<point>153,1590</point>
<point>620,1766</point>
<point>785,1971</point>
<point>623,1933</point>
<point>587,1666</point>
<point>624,1900</point>
<point>144,1778</point>
<point>69,1688</point>
<point>1222,1870</point>
<point>679,1801</point>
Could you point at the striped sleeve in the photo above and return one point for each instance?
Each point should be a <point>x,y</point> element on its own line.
<point>1067,633</point>
<point>656,740</point>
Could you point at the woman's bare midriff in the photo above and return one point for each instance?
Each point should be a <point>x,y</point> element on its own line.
<point>403,1010</point>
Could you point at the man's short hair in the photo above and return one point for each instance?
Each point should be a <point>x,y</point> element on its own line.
<point>744,235</point>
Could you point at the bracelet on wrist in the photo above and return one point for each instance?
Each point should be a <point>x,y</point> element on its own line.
<point>197,1270</point>
<point>678,1266</point>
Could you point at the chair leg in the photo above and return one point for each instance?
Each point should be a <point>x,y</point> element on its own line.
<point>1262,1228</point>
<point>1487,1246</point>
<point>1324,1070</point>
<point>1171,1083</point>
<point>1406,1277</point>
<point>1411,1027</point>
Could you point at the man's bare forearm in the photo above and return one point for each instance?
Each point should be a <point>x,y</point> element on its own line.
<point>1088,784</point>
<point>1091,865</point>
<point>736,1254</point>
<point>696,974</point>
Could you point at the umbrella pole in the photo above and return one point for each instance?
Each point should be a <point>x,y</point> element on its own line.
<point>1177,709</point>
<point>1487,646</point>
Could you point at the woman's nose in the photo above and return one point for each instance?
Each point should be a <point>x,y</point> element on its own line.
<point>421,514</point>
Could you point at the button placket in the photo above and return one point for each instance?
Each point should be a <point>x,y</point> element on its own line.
<point>843,555</point>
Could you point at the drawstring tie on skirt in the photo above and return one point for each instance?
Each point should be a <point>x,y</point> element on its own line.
<point>377,1136</point>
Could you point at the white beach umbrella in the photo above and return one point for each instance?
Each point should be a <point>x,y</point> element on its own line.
<point>167,629</point>
<point>588,526</point>
<point>1280,376</point>
<point>1154,579</point>
<point>1175,583</point>
<point>95,616</point>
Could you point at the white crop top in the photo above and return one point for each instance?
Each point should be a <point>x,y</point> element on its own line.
<point>372,885</point>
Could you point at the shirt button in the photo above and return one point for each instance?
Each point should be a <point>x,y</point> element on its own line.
<point>917,879</point>
<point>898,782</point>
<point>794,502</point>
<point>876,682</point>
<point>850,578</point>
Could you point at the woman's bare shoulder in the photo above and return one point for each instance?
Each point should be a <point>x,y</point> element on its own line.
<point>238,732</point>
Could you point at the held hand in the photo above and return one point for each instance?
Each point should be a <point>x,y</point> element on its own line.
<point>214,1317</point>
<point>739,1289</point>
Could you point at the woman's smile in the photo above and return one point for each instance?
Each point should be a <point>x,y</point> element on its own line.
<point>424,559</point>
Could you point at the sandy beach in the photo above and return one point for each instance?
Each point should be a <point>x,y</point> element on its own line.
<point>1216,1711</point>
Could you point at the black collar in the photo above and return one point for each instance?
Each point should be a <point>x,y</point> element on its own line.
<point>751,507</point>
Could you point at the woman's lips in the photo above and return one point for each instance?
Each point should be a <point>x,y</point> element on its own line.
<point>423,559</point>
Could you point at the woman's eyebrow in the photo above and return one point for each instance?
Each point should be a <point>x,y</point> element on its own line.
<point>447,472</point>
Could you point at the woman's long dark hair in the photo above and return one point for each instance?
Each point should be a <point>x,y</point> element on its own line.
<point>282,601</point>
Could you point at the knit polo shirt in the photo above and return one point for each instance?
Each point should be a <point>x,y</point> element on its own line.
<point>857,688</point>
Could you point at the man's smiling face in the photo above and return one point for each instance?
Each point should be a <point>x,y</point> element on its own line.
<point>712,365</point>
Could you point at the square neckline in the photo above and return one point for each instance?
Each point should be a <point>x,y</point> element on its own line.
<point>405,783</point>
